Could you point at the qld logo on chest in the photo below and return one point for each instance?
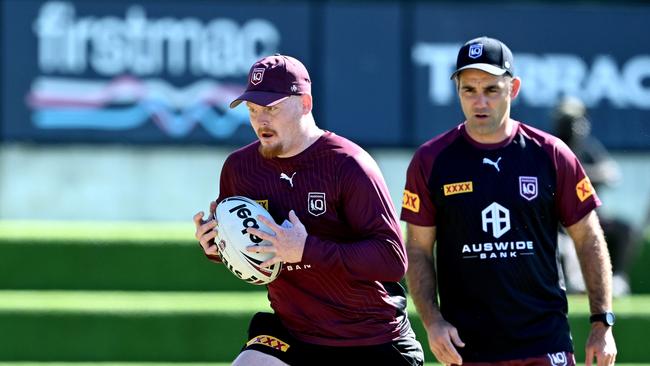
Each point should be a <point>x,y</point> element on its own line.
<point>528,187</point>
<point>316,204</point>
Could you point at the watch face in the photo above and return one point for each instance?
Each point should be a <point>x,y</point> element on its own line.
<point>610,318</point>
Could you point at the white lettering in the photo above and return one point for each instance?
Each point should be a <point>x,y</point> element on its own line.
<point>635,71</point>
<point>548,77</point>
<point>297,267</point>
<point>142,46</point>
<point>529,188</point>
<point>503,249</point>
<point>604,83</point>
<point>317,205</point>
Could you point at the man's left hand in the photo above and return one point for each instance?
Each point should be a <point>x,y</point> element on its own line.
<point>288,242</point>
<point>601,345</point>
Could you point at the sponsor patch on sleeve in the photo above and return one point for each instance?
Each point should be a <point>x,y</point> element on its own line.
<point>457,188</point>
<point>269,341</point>
<point>411,201</point>
<point>263,203</point>
<point>584,189</point>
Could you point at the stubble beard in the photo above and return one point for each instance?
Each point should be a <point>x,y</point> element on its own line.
<point>270,152</point>
<point>484,129</point>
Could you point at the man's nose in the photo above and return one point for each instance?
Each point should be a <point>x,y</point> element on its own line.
<point>263,118</point>
<point>481,101</point>
<point>263,121</point>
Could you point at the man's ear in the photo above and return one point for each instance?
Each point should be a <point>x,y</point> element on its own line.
<point>307,105</point>
<point>515,88</point>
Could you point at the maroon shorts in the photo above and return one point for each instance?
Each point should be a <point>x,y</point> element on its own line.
<point>549,359</point>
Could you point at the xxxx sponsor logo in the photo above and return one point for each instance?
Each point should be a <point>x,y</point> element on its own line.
<point>263,203</point>
<point>584,189</point>
<point>411,201</point>
<point>457,188</point>
<point>269,341</point>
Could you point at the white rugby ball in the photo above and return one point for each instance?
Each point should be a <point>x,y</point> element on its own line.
<point>234,215</point>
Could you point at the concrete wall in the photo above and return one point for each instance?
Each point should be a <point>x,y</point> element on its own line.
<point>119,183</point>
<point>106,182</point>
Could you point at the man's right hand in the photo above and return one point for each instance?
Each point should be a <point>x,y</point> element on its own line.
<point>443,340</point>
<point>206,232</point>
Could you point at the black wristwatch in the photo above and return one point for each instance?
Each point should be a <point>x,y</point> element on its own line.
<point>608,318</point>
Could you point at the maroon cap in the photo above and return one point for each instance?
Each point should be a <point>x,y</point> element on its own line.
<point>273,79</point>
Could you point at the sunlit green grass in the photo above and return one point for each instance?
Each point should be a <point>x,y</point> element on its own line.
<point>240,302</point>
<point>144,231</point>
<point>105,230</point>
<point>134,302</point>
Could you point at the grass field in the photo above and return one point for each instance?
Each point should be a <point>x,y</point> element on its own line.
<point>204,302</point>
<point>102,230</point>
<point>143,232</point>
<point>121,293</point>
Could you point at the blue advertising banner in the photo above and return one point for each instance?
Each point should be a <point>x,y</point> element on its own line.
<point>163,72</point>
<point>598,54</point>
<point>85,71</point>
<point>363,59</point>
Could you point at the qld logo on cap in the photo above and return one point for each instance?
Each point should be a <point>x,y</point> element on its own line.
<point>257,75</point>
<point>476,50</point>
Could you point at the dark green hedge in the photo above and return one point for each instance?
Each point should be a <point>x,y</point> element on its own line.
<point>640,274</point>
<point>151,266</point>
<point>111,265</point>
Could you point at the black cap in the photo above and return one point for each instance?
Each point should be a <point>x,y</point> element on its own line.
<point>486,54</point>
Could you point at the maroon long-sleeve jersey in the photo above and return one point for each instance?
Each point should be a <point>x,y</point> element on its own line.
<point>345,291</point>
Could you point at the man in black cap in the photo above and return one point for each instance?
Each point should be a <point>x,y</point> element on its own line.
<point>338,299</point>
<point>489,195</point>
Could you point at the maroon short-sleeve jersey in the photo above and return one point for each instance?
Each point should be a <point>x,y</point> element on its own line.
<point>497,210</point>
<point>345,291</point>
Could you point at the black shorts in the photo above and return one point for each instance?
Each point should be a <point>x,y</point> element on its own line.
<point>267,335</point>
<point>550,359</point>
